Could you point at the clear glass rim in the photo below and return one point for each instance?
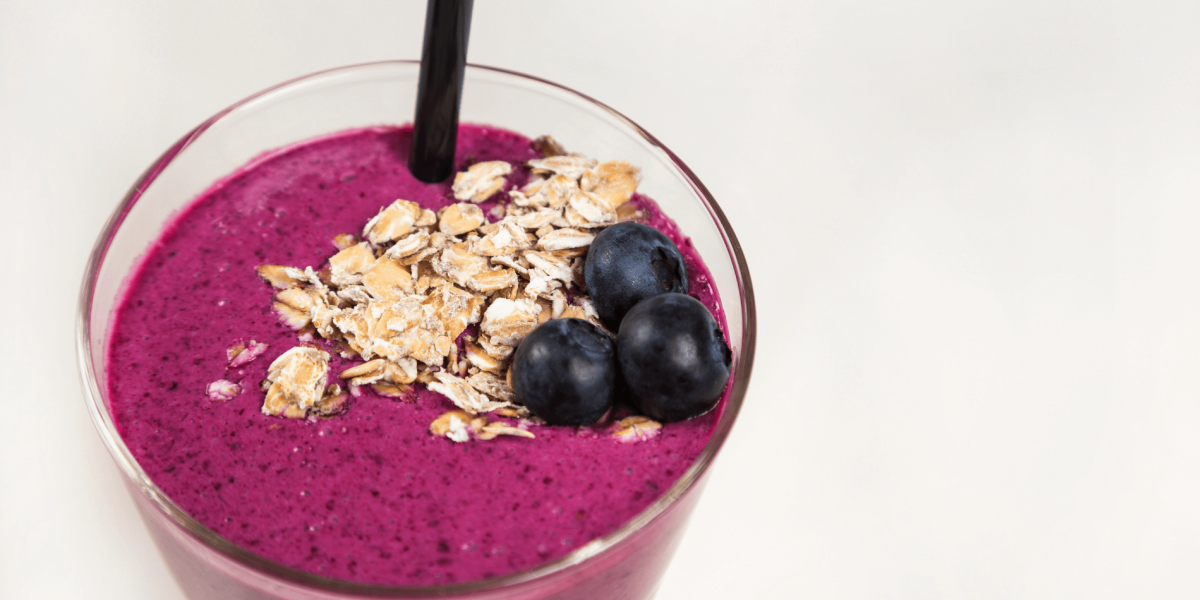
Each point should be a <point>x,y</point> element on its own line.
<point>94,396</point>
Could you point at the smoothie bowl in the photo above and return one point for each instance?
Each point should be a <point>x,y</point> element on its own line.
<point>411,473</point>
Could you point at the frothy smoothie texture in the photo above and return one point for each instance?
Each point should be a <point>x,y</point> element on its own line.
<point>368,493</point>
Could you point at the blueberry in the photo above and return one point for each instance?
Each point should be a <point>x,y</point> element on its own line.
<point>673,357</point>
<point>565,372</point>
<point>628,263</point>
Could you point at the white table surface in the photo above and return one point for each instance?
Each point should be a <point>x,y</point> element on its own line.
<point>974,229</point>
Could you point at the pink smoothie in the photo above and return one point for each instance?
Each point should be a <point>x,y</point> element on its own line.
<point>370,495</point>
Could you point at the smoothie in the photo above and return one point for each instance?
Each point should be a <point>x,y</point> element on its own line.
<point>367,491</point>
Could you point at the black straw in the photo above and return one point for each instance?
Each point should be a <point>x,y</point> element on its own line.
<point>439,89</point>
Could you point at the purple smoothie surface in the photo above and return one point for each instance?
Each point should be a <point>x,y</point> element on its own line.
<point>370,495</point>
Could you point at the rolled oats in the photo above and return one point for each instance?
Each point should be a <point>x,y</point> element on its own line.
<point>348,266</point>
<point>500,351</point>
<point>595,210</point>
<point>462,394</point>
<point>538,218</point>
<point>481,359</point>
<point>514,262</point>
<point>388,280</point>
<point>615,181</point>
<point>333,402</point>
<point>297,379</point>
<point>493,280</point>
<point>572,166</point>
<point>354,294</point>
<point>562,239</point>
<point>459,426</point>
<point>558,190</point>
<point>506,237</point>
<point>458,264</point>
<point>241,353</point>
<point>278,276</point>
<point>292,317</point>
<point>395,372</point>
<point>558,303</point>
<point>513,412</point>
<point>493,386</point>
<point>629,212</point>
<point>403,392</point>
<point>453,425</point>
<point>396,221</point>
<point>547,304</point>
<point>344,240</point>
<point>572,312</point>
<point>408,245</point>
<point>548,265</point>
<point>631,430</point>
<point>507,322</point>
<point>577,274</point>
<point>492,430</point>
<point>460,218</point>
<point>548,146</point>
<point>481,180</point>
<point>222,390</point>
<point>415,259</point>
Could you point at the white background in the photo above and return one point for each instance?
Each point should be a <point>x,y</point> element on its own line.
<point>974,230</point>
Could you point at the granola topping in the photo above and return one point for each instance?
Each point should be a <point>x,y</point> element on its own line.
<point>463,395</point>
<point>460,218</point>
<point>241,353</point>
<point>452,425</point>
<point>401,296</point>
<point>460,426</point>
<point>507,322</point>
<point>222,390</point>
<point>297,382</point>
<point>613,181</point>
<point>396,221</point>
<point>632,430</point>
<point>548,146</point>
<point>279,277</point>
<point>348,266</point>
<point>572,166</point>
<point>481,180</point>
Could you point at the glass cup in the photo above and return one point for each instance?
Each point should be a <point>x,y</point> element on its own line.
<point>627,563</point>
